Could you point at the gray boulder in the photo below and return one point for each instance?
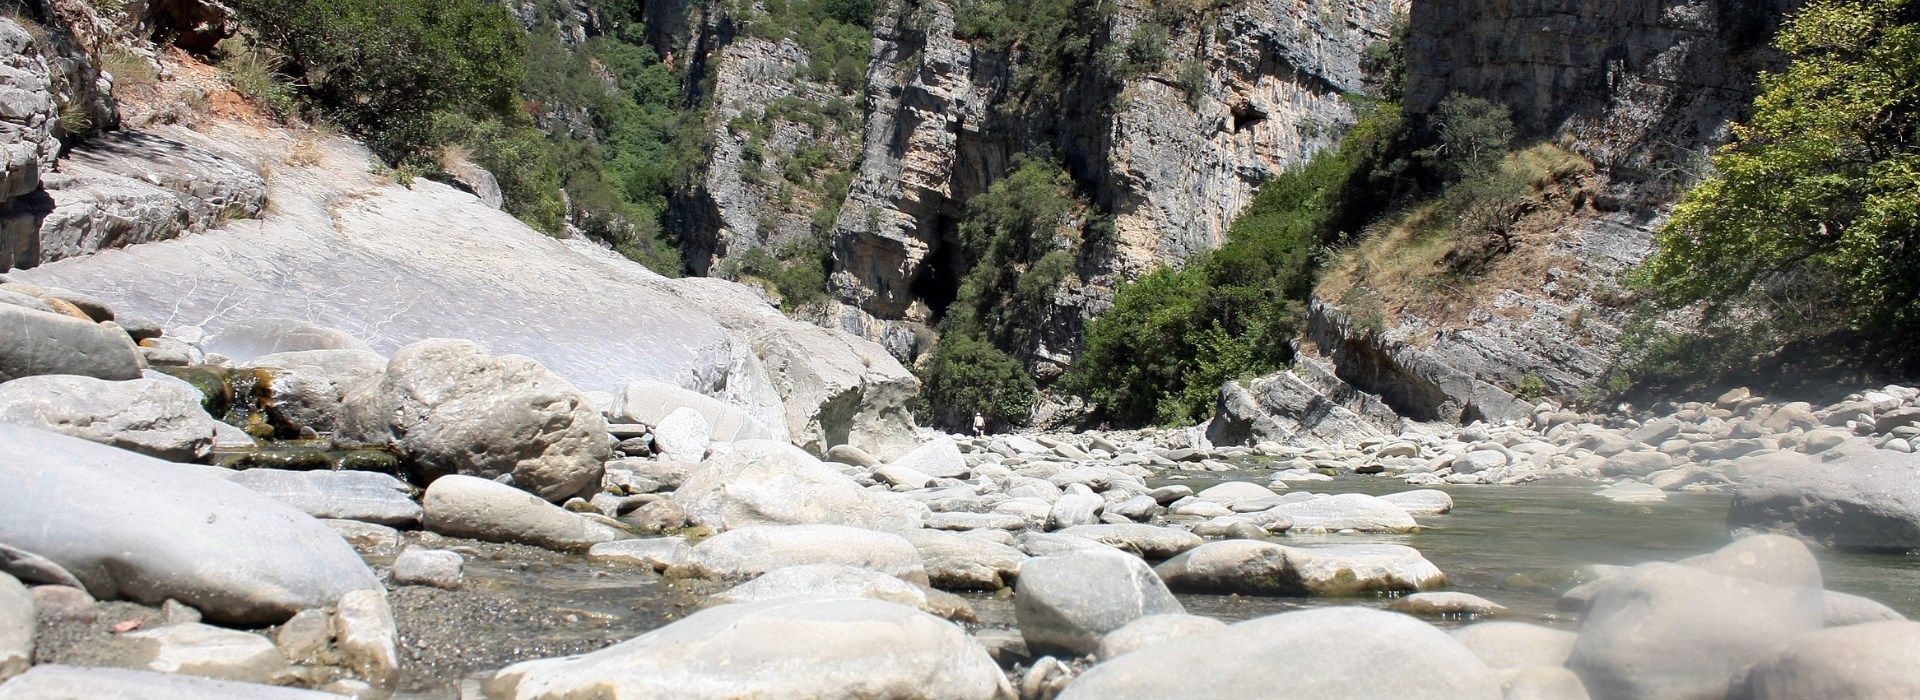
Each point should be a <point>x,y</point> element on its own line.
<point>306,387</point>
<point>774,649</point>
<point>1347,511</point>
<point>759,482</point>
<point>938,458</point>
<point>440,568</point>
<point>38,342</point>
<point>1306,655</point>
<point>1846,609</point>
<point>450,408</point>
<point>1065,604</point>
<point>1635,464</point>
<point>17,622</point>
<point>1254,567</point>
<point>1858,662</point>
<point>1517,645</point>
<point>204,650</point>
<point>752,551</point>
<point>154,417</point>
<point>1868,500</point>
<point>965,562</point>
<point>466,506</point>
<point>130,526</point>
<point>60,682</point>
<point>682,436</point>
<point>347,495</point>
<point>1684,630</point>
<point>1421,501</point>
<point>1445,604</point>
<point>1147,541</point>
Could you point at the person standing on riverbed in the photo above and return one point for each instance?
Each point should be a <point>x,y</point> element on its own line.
<point>979,424</point>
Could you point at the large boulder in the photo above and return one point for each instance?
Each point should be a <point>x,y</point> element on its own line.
<point>1154,629</point>
<point>1254,567</point>
<point>1867,500</point>
<point>752,551</point>
<point>1346,511</point>
<point>369,497</point>
<point>1148,541</point>
<point>759,482</point>
<point>449,407</point>
<point>1858,662</point>
<point>130,526</point>
<point>37,342</point>
<point>842,581</point>
<point>259,337</point>
<point>648,402</point>
<point>786,648</point>
<point>1684,630</point>
<point>156,417</point>
<point>1311,654</point>
<point>306,387</point>
<point>466,506</point>
<point>1066,603</point>
<point>966,562</point>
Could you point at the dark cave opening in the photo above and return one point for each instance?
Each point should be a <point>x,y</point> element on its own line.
<point>936,280</point>
<point>1245,116</point>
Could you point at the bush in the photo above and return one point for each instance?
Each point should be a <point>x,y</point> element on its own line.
<point>968,375</point>
<point>387,69</point>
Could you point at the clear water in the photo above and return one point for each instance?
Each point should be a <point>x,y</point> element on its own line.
<point>1522,546</point>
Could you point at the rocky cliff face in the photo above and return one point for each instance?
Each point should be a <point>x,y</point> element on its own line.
<point>1636,84</point>
<point>1172,153</point>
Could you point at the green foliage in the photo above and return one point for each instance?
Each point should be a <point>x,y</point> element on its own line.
<point>968,375</point>
<point>387,70</point>
<point>836,35</point>
<point>1386,61</point>
<point>255,72</point>
<point>798,274</point>
<point>1473,135</point>
<point>1174,336</point>
<point>1813,221</point>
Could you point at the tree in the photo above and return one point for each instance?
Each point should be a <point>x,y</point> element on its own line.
<point>1474,134</point>
<point>1821,187</point>
<point>968,375</point>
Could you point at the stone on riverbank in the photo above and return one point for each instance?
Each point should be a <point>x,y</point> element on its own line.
<point>1868,500</point>
<point>656,553</point>
<point>958,561</point>
<point>154,417</point>
<point>1421,501</point>
<point>1858,662</point>
<point>440,568</point>
<point>466,506</point>
<point>1683,630</point>
<point>306,387</point>
<point>1309,655</point>
<point>1253,567</point>
<point>61,682</point>
<point>17,622</point>
<point>1066,603</point>
<point>1147,541</point>
<point>752,551</point>
<point>132,526</point>
<point>449,407</point>
<point>792,647</point>
<point>1154,629</point>
<point>1347,511</point>
<point>758,482</point>
<point>842,581</point>
<point>38,342</point>
<point>204,650</point>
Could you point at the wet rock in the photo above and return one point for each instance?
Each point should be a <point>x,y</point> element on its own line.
<point>1154,629</point>
<point>1347,511</point>
<point>258,337</point>
<point>1635,464</point>
<point>656,553</point>
<point>773,649</point>
<point>1263,568</point>
<point>17,623</point>
<point>306,387</point>
<point>1325,653</point>
<point>439,568</point>
<point>1874,660</point>
<point>751,551</point>
<point>450,408</point>
<point>1066,603</point>
<point>346,495</point>
<point>842,581</point>
<point>1234,491</point>
<point>38,343</point>
<point>1632,492</point>
<point>204,650</point>
<point>1146,541</point>
<point>466,506</point>
<point>956,561</point>
<point>305,636</point>
<point>759,482</point>
<point>151,416</point>
<point>135,527</point>
<point>1846,609</point>
<point>1683,630</point>
<point>57,682</point>
<point>1446,604</point>
<point>1868,500</point>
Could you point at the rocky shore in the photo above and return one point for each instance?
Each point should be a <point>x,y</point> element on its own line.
<point>447,522</point>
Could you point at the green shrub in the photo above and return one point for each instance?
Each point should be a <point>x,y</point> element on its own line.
<point>967,375</point>
<point>255,72</point>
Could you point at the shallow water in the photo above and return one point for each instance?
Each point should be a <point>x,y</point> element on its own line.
<point>1521,546</point>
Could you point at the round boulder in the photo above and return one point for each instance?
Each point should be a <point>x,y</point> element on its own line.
<point>1066,603</point>
<point>451,408</point>
<point>157,417</point>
